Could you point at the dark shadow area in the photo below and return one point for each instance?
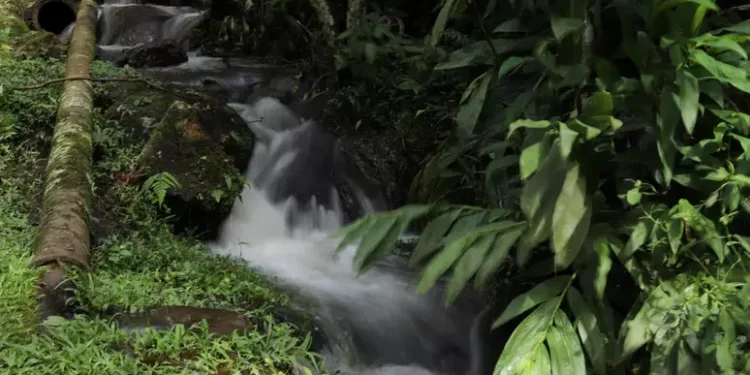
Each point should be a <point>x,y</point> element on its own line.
<point>55,16</point>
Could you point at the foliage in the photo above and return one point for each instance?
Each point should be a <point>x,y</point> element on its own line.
<point>622,146</point>
<point>157,186</point>
<point>138,263</point>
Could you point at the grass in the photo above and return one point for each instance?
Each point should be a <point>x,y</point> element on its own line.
<point>140,265</point>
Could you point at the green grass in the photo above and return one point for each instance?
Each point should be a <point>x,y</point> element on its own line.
<point>139,266</point>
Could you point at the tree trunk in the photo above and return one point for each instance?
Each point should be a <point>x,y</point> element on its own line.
<point>63,235</point>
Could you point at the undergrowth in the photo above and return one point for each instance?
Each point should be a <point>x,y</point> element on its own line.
<point>139,266</point>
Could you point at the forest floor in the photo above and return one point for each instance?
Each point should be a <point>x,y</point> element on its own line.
<point>139,266</point>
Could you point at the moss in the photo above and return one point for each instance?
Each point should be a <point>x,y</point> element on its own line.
<point>143,264</point>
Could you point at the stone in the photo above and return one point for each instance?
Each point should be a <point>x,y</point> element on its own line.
<point>152,55</point>
<point>183,145</point>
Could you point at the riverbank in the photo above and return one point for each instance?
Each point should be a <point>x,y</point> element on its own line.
<point>138,265</point>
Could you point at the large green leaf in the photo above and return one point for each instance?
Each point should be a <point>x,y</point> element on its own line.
<point>382,236</point>
<point>526,339</point>
<point>441,21</point>
<point>468,265</point>
<point>563,26</point>
<point>638,237</point>
<point>567,139</point>
<point>722,43</point>
<point>664,5</point>
<point>571,217</point>
<point>512,63</point>
<point>475,255</point>
<point>689,95</point>
<point>533,156</point>
<point>538,200</point>
<point>588,330</point>
<point>724,358</point>
<point>540,293</point>
<point>565,349</point>
<point>598,104</point>
<point>527,124</point>
<point>668,120</point>
<point>443,261</point>
<point>498,253</point>
<point>469,112</point>
<point>540,363</point>
<point>432,235</point>
<point>722,71</point>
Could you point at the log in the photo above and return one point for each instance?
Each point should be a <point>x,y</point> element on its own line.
<point>63,233</point>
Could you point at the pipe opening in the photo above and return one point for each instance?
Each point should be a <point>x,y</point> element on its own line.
<point>55,16</point>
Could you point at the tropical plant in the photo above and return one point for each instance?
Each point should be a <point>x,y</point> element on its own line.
<point>624,145</point>
<point>157,186</point>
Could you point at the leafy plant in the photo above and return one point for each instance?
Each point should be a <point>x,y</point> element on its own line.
<point>157,186</point>
<point>620,145</point>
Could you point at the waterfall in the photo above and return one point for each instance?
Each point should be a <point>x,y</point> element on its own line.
<point>375,322</point>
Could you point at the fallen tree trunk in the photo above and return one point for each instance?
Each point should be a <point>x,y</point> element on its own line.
<point>63,234</point>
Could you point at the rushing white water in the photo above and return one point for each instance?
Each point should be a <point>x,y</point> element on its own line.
<point>375,323</point>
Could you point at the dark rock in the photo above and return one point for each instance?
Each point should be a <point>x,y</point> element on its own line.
<point>190,146</point>
<point>154,54</point>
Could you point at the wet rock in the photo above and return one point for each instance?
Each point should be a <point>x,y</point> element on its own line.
<point>182,145</point>
<point>154,54</point>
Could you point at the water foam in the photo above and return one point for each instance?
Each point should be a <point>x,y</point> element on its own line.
<point>375,323</point>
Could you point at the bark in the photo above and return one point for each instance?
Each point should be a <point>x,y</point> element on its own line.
<point>63,235</point>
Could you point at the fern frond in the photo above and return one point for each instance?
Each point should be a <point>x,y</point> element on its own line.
<point>157,186</point>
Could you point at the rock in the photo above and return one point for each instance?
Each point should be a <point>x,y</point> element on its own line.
<point>153,54</point>
<point>205,146</point>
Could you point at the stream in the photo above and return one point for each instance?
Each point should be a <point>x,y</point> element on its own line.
<point>374,324</point>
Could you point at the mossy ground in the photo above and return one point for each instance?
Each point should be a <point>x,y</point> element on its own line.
<point>137,264</point>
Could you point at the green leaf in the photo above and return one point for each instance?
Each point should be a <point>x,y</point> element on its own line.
<point>638,237</point>
<point>433,233</point>
<point>668,120</point>
<point>353,231</point>
<point>526,339</point>
<point>603,266</point>
<point>571,218</point>
<point>633,196</point>
<point>538,199</point>
<point>724,357</point>
<point>599,104</point>
<point>527,124</point>
<point>512,63</point>
<point>675,230</point>
<point>567,139</point>
<point>510,26</point>
<point>469,113</point>
<point>443,261</point>
<point>744,143</point>
<point>533,156</point>
<point>732,197</point>
<point>714,90</point>
<point>589,132</point>
<point>724,72</point>
<point>740,28</point>
<point>721,44</point>
<point>540,362</point>
<point>475,255</point>
<point>498,254</point>
<point>689,95</point>
<point>565,350</point>
<point>673,3</point>
<point>586,323</point>
<point>383,235</point>
<point>441,21</point>
<point>562,26</point>
<point>542,292</point>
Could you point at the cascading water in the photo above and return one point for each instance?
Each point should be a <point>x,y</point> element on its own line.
<point>375,323</point>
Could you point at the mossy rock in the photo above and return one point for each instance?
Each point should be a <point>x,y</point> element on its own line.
<point>137,109</point>
<point>182,145</point>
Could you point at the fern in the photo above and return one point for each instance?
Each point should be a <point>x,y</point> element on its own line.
<point>157,186</point>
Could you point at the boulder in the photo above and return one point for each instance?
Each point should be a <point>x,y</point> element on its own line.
<point>153,54</point>
<point>203,144</point>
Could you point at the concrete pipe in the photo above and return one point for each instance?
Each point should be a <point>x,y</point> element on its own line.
<point>53,16</point>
